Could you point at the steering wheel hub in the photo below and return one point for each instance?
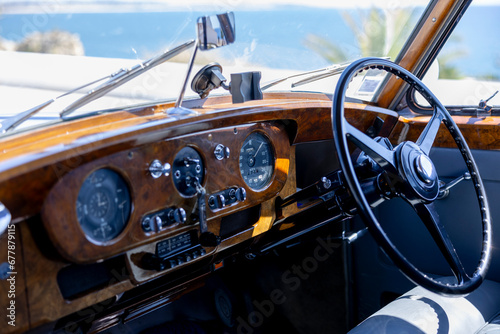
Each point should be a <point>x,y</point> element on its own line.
<point>419,173</point>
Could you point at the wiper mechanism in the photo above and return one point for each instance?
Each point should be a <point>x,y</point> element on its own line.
<point>332,70</point>
<point>321,73</point>
<point>115,80</point>
<point>280,80</point>
<point>14,121</point>
<point>123,76</point>
<point>318,74</point>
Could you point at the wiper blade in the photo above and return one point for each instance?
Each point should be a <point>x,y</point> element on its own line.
<point>328,72</point>
<point>277,81</point>
<point>115,80</point>
<point>123,76</point>
<point>317,75</point>
<point>333,70</point>
<point>12,122</point>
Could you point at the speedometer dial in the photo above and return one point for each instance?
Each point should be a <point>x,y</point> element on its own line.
<point>256,161</point>
<point>103,205</point>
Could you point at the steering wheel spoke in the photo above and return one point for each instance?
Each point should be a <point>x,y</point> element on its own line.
<point>383,156</point>
<point>430,217</point>
<point>427,137</point>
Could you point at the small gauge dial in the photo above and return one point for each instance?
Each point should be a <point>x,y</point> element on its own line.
<point>103,205</point>
<point>256,161</point>
<point>187,170</point>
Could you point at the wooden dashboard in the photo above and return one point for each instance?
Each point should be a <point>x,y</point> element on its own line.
<point>149,194</point>
<point>42,172</point>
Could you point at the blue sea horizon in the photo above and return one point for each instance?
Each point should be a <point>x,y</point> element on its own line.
<point>262,37</point>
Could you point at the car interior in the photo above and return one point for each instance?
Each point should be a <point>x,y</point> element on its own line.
<point>259,211</point>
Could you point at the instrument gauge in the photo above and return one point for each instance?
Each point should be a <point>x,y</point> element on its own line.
<point>256,161</point>
<point>103,205</point>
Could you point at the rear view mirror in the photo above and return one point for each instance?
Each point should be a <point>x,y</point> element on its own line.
<point>215,31</point>
<point>212,32</point>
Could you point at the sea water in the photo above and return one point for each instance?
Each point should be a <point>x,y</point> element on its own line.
<point>267,38</point>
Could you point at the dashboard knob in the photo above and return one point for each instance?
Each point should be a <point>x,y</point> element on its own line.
<point>158,223</point>
<point>221,201</point>
<point>178,215</point>
<point>221,152</point>
<point>146,225</point>
<point>241,194</point>
<point>157,169</point>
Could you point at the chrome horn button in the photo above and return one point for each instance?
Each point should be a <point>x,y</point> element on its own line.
<point>425,168</point>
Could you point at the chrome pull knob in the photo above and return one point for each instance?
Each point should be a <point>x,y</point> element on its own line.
<point>157,169</point>
<point>178,215</point>
<point>221,152</point>
<point>241,194</point>
<point>221,201</point>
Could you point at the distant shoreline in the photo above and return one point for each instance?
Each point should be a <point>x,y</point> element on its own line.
<point>60,7</point>
<point>129,6</point>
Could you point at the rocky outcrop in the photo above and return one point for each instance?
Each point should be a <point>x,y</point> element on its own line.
<point>55,41</point>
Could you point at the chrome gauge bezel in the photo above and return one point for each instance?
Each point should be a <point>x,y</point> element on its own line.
<point>263,150</point>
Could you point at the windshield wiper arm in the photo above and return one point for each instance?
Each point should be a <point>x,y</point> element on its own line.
<point>123,76</point>
<point>277,81</point>
<point>115,80</point>
<point>14,121</point>
<point>316,75</point>
<point>332,70</point>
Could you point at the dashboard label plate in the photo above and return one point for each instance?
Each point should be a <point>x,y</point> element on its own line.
<point>173,245</point>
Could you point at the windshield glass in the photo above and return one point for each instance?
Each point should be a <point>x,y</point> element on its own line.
<point>467,70</point>
<point>50,47</point>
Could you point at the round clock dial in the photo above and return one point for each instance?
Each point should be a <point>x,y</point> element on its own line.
<point>103,205</point>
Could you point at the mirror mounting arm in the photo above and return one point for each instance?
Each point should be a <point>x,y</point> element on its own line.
<point>177,109</point>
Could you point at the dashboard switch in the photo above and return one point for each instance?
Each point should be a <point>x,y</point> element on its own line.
<point>146,225</point>
<point>226,197</point>
<point>158,223</point>
<point>177,215</point>
<point>211,202</point>
<point>157,169</point>
<point>241,194</point>
<point>221,152</point>
<point>221,201</point>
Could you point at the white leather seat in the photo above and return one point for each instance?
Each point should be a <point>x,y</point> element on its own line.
<point>420,311</point>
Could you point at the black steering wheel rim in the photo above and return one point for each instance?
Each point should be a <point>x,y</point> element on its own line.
<point>390,160</point>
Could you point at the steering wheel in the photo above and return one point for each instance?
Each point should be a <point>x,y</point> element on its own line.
<point>410,174</point>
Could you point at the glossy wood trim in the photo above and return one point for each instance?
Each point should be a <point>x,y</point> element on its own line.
<point>46,303</point>
<point>150,195</point>
<point>48,168</point>
<point>36,161</point>
<point>481,133</point>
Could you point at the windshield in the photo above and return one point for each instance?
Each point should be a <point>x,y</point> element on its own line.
<point>54,46</point>
<point>467,69</point>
